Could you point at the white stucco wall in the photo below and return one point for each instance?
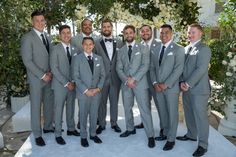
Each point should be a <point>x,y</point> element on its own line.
<point>207,12</point>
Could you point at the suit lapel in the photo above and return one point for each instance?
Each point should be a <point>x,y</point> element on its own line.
<point>85,61</point>
<point>38,40</point>
<point>114,49</point>
<point>104,48</point>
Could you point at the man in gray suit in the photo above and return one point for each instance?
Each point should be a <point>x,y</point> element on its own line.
<point>151,43</point>
<point>62,83</point>
<point>87,31</point>
<point>107,47</point>
<point>167,62</point>
<point>196,89</point>
<point>132,65</point>
<point>89,75</point>
<point>35,49</point>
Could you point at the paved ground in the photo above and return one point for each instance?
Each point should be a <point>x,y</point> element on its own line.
<point>13,141</point>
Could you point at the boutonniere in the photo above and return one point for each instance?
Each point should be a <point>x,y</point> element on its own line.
<point>72,48</point>
<point>171,46</point>
<point>194,52</point>
<point>117,49</point>
<point>114,41</point>
<point>95,58</point>
<point>154,45</point>
<point>136,45</point>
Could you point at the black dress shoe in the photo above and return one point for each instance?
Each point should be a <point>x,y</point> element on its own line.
<point>48,131</point>
<point>168,145</point>
<point>60,140</point>
<point>185,138</point>
<point>96,139</point>
<point>116,128</point>
<point>84,142</point>
<point>39,141</point>
<point>78,125</point>
<point>100,129</point>
<point>139,126</point>
<point>127,133</point>
<point>74,133</point>
<point>200,151</point>
<point>161,138</point>
<point>151,142</point>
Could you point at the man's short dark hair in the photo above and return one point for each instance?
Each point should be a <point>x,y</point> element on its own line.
<point>37,13</point>
<point>129,27</point>
<point>63,27</point>
<point>107,21</point>
<point>167,26</point>
<point>88,38</point>
<point>196,25</point>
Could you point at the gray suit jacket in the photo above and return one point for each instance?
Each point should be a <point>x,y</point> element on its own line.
<point>77,41</point>
<point>61,69</point>
<point>110,65</point>
<point>83,76</point>
<point>35,56</point>
<point>196,69</point>
<point>171,66</point>
<point>136,68</point>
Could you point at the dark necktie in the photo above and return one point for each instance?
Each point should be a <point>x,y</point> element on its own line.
<point>90,61</point>
<point>130,51</point>
<point>108,39</point>
<point>189,50</point>
<point>68,54</point>
<point>161,54</point>
<point>45,42</point>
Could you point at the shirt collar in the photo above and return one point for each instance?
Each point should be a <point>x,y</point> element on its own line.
<point>65,45</point>
<point>86,54</point>
<point>90,35</point>
<point>166,44</point>
<point>38,32</point>
<point>149,42</point>
<point>132,44</point>
<point>194,43</point>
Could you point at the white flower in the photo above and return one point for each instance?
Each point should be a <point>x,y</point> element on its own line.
<point>229,54</point>
<point>234,68</point>
<point>224,62</point>
<point>232,63</point>
<point>229,74</point>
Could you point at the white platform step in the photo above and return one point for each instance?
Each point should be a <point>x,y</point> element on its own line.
<point>21,120</point>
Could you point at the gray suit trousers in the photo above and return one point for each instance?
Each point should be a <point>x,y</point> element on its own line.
<point>41,94</point>
<point>168,110</point>
<point>144,108</point>
<point>111,92</point>
<point>64,97</point>
<point>88,107</point>
<point>195,110</point>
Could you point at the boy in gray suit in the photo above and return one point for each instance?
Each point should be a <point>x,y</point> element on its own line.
<point>196,89</point>
<point>35,50</point>
<point>89,76</point>
<point>132,65</point>
<point>62,83</point>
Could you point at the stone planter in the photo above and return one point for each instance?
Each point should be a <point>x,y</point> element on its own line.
<point>1,141</point>
<point>18,102</point>
<point>227,125</point>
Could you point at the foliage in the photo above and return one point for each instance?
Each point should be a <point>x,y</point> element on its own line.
<point>14,22</point>
<point>223,62</point>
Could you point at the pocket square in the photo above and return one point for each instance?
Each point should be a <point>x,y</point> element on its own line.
<point>97,65</point>
<point>169,54</point>
<point>193,52</point>
<point>137,53</point>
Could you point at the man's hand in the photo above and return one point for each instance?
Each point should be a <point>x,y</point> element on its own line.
<point>47,77</point>
<point>89,93</point>
<point>163,86</point>
<point>184,87</point>
<point>71,86</point>
<point>157,87</point>
<point>131,83</point>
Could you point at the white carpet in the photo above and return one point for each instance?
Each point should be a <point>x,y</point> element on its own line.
<point>132,146</point>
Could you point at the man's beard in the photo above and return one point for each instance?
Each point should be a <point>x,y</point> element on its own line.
<point>106,34</point>
<point>130,40</point>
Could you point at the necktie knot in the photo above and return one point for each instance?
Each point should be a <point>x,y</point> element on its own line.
<point>108,39</point>
<point>89,57</point>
